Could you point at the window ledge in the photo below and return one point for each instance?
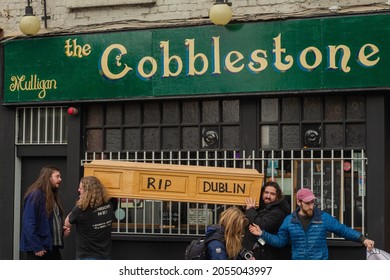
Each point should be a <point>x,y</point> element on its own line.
<point>79,4</point>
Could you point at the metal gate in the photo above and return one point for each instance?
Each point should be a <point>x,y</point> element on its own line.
<point>337,177</point>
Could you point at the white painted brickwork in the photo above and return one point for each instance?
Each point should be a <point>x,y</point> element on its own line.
<point>97,15</point>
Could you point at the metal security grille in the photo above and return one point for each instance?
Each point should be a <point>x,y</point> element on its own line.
<point>337,177</point>
<point>41,126</point>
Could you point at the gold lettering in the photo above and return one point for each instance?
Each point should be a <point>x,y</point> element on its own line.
<point>345,56</point>
<point>263,63</point>
<point>141,64</point>
<point>73,49</point>
<point>103,64</point>
<point>230,65</point>
<point>164,45</point>
<point>216,56</point>
<point>278,50</point>
<point>363,58</point>
<point>190,43</point>
<point>317,58</point>
<point>19,83</point>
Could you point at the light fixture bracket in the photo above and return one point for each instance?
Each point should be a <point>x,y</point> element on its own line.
<point>29,10</point>
<point>223,2</point>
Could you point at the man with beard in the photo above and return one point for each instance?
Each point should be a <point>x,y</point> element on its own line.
<point>269,216</point>
<point>306,228</point>
<point>42,222</point>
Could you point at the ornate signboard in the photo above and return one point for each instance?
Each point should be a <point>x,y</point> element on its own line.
<point>343,52</point>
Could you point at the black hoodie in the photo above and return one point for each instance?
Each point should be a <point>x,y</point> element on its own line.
<point>269,217</point>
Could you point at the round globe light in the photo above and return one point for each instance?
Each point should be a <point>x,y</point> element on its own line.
<point>220,13</point>
<point>29,24</point>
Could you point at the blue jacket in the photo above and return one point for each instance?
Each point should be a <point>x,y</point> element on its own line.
<point>37,227</point>
<point>216,249</point>
<point>310,244</point>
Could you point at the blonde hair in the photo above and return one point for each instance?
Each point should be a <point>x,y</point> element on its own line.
<point>95,194</point>
<point>233,220</point>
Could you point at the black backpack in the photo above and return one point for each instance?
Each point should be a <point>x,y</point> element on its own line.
<point>197,249</point>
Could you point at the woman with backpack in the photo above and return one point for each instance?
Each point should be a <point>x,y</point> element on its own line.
<point>224,240</point>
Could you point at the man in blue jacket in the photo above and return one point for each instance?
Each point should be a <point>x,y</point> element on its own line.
<point>306,228</point>
<point>42,223</point>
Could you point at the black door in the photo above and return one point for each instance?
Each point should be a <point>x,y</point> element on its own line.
<point>31,167</point>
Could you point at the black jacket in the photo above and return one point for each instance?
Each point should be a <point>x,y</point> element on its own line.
<point>269,217</point>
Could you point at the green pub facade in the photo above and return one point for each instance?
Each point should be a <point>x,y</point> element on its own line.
<point>304,101</point>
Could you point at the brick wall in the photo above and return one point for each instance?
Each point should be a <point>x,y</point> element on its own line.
<point>95,15</point>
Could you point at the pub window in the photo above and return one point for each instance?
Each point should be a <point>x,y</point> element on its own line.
<point>41,125</point>
<point>313,122</point>
<point>163,125</point>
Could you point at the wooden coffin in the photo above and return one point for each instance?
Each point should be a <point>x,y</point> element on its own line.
<point>177,182</point>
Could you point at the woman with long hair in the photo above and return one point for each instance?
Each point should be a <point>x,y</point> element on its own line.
<point>92,216</point>
<point>226,236</point>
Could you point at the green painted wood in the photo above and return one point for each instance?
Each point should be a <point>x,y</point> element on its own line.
<point>70,67</point>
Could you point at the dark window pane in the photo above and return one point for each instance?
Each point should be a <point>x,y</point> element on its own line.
<point>57,126</point>
<point>355,135</point>
<point>231,137</point>
<point>151,114</point>
<point>170,138</point>
<point>114,114</point>
<point>113,140</point>
<point>95,115</point>
<point>190,138</point>
<point>49,124</point>
<point>210,112</point>
<point>333,108</point>
<point>132,139</point>
<point>356,107</point>
<point>290,109</point>
<point>171,112</point>
<point>269,110</point>
<point>94,140</point>
<point>290,137</point>
<point>42,122</point>
<point>151,139</point>
<point>64,128</point>
<point>333,134</point>
<point>230,111</point>
<point>26,124</point>
<point>269,137</point>
<point>133,113</point>
<point>312,108</point>
<point>190,111</point>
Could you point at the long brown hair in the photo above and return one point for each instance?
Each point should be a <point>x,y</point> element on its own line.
<point>234,221</point>
<point>43,183</point>
<point>95,194</point>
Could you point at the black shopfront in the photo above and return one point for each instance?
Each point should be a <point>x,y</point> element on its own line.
<point>300,103</point>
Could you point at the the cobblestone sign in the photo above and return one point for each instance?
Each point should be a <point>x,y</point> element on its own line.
<point>343,52</point>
